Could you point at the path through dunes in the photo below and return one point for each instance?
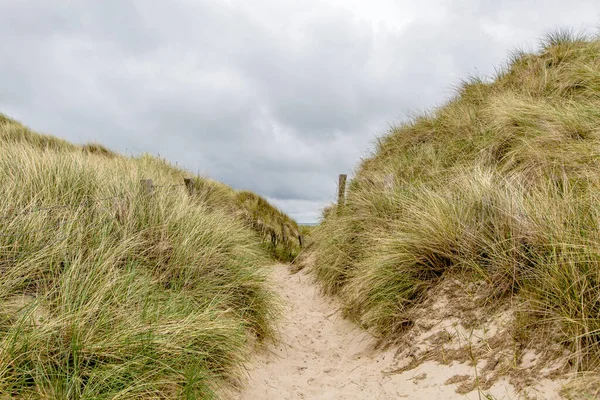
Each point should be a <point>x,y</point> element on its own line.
<point>323,356</point>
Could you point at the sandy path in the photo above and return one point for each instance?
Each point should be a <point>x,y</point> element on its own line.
<point>323,356</point>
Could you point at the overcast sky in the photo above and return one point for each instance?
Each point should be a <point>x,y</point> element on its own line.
<point>274,96</point>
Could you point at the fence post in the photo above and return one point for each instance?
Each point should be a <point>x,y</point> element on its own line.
<point>189,184</point>
<point>147,185</point>
<point>301,241</point>
<point>273,237</point>
<point>342,190</point>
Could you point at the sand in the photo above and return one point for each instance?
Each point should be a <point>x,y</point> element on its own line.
<point>323,356</point>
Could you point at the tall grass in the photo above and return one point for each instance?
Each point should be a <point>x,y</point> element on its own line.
<point>109,292</point>
<point>278,231</point>
<point>503,183</point>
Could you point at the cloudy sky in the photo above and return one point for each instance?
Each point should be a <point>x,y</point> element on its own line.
<point>275,96</point>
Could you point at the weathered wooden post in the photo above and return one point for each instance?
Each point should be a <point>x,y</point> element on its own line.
<point>341,191</point>
<point>301,241</point>
<point>147,186</point>
<point>189,184</point>
<point>273,237</point>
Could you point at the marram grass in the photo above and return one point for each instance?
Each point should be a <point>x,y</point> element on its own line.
<point>503,183</point>
<point>108,292</point>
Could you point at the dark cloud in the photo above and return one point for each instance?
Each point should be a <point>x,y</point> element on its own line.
<point>276,97</point>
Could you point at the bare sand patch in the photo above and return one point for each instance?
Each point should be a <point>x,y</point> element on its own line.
<point>321,355</point>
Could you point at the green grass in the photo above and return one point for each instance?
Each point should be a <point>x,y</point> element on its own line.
<point>108,292</point>
<point>306,230</point>
<point>503,183</point>
<point>278,231</point>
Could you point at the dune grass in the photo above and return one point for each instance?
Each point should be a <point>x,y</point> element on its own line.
<point>109,292</point>
<point>278,231</point>
<point>502,183</point>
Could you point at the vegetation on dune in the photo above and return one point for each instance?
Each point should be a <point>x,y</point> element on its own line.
<point>503,183</point>
<point>279,232</point>
<point>306,230</point>
<point>108,291</point>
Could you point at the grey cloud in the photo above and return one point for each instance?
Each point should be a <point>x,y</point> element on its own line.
<point>276,97</point>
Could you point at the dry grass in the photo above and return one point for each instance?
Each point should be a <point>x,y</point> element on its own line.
<point>502,184</point>
<point>108,292</point>
<point>586,387</point>
<point>278,231</point>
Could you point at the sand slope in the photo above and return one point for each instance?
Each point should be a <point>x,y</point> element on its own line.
<point>323,356</point>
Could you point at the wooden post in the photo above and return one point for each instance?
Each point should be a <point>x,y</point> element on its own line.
<point>147,185</point>
<point>189,184</point>
<point>342,190</point>
<point>283,233</point>
<point>301,241</point>
<point>273,237</point>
